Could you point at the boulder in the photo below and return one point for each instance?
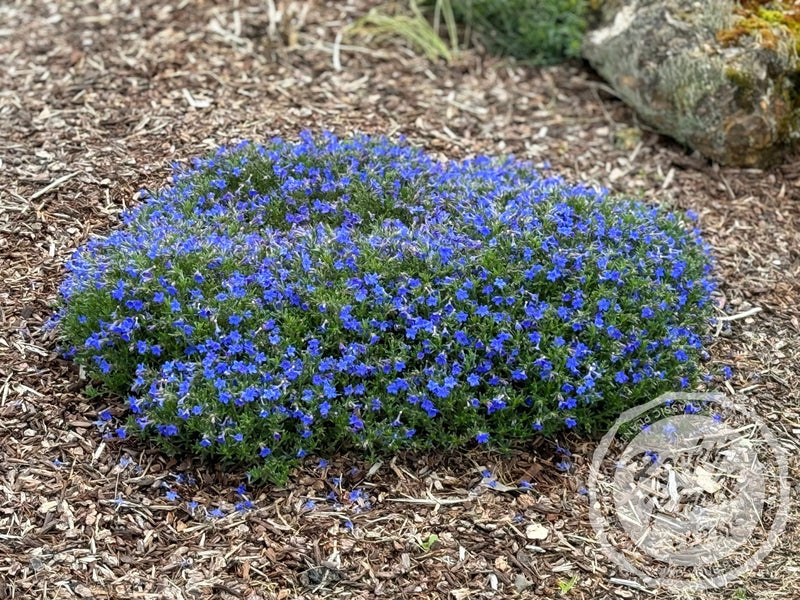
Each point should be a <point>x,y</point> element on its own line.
<point>721,76</point>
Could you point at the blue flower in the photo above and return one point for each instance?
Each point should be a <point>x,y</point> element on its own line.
<point>495,404</point>
<point>119,292</point>
<point>356,423</point>
<point>286,297</point>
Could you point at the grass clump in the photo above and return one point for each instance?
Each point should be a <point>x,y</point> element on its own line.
<point>323,295</point>
<point>413,27</point>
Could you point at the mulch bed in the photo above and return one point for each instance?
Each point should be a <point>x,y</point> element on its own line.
<point>96,100</point>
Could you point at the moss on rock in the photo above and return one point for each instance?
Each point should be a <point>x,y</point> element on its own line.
<point>706,73</point>
<point>774,25</point>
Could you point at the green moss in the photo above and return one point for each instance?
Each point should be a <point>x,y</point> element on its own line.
<point>770,22</point>
<point>738,78</point>
<point>788,19</point>
<point>745,94</point>
<point>771,16</point>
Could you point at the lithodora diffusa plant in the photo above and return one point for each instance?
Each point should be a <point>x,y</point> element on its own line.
<point>325,295</point>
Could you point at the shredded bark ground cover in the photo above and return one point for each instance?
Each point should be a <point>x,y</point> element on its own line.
<point>97,98</point>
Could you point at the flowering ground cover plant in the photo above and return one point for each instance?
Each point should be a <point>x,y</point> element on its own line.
<point>290,298</point>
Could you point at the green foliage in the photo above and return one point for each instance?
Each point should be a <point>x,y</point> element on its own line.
<point>566,586</point>
<point>429,542</point>
<point>326,295</point>
<point>539,31</point>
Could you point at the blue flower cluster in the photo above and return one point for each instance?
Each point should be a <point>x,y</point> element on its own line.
<point>289,298</point>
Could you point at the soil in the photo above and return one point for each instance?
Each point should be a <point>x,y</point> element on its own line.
<point>98,98</point>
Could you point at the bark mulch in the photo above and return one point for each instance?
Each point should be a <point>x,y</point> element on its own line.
<point>97,98</point>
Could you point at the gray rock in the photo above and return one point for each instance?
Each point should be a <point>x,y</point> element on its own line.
<point>710,75</point>
<point>521,582</point>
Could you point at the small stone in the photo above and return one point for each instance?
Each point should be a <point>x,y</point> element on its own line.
<point>321,574</point>
<point>536,531</point>
<point>83,591</point>
<point>705,480</point>
<point>493,583</point>
<point>521,582</point>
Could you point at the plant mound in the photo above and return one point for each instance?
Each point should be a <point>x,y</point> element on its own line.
<point>286,298</point>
